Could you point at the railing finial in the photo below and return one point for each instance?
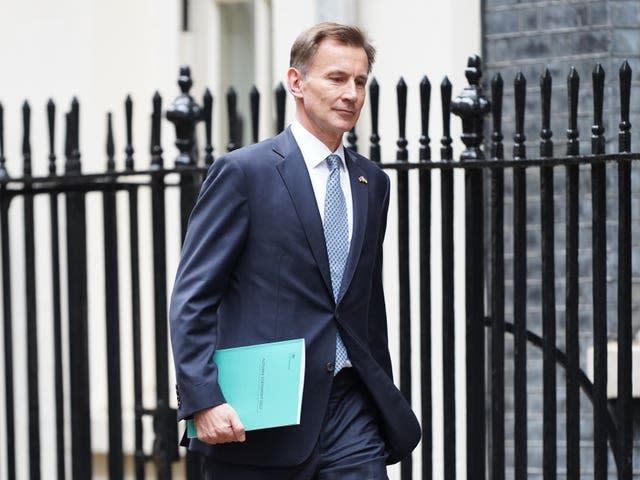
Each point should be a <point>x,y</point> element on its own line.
<point>471,106</point>
<point>374,99</point>
<point>207,103</point>
<point>26,139</point>
<point>184,113</point>
<point>51,124</point>
<point>110,148</point>
<point>72,139</point>
<point>425,104</point>
<point>624,135</point>
<point>128,110</point>
<point>281,100</point>
<point>446,152</point>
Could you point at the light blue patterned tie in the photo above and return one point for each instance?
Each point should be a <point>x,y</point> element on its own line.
<point>336,234</point>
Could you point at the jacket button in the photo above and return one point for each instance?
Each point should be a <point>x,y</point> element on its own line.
<point>330,367</point>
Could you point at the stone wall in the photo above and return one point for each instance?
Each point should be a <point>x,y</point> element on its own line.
<point>529,36</point>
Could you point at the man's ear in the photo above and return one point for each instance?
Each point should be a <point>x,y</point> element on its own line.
<point>294,82</point>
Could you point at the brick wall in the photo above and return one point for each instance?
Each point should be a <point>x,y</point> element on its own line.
<point>529,36</point>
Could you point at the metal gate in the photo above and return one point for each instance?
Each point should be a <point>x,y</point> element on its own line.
<point>504,342</point>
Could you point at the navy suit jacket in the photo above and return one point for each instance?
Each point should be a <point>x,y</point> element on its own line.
<point>255,269</point>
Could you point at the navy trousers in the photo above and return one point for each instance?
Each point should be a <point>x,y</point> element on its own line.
<point>350,446</point>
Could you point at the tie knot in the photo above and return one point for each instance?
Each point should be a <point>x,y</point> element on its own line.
<point>333,161</point>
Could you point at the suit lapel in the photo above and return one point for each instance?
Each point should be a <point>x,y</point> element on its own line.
<point>294,173</point>
<point>359,194</point>
<point>295,176</point>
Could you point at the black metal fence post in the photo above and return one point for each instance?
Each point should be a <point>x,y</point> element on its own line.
<point>7,310</point>
<point>624,413</point>
<point>185,113</point>
<point>448,294</point>
<point>164,422</point>
<point>78,316</point>
<point>112,307</point>
<point>572,344</point>
<point>547,255</point>
<point>471,106</point>
<point>599,249</point>
<point>425,281</point>
<point>189,186</point>
<point>5,200</point>
<point>496,210</point>
<point>402,155</point>
<point>30,299</point>
<point>56,301</point>
<point>520,298</point>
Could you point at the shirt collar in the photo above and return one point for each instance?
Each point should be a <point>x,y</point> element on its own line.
<point>313,150</point>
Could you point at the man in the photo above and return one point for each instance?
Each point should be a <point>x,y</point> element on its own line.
<point>285,241</point>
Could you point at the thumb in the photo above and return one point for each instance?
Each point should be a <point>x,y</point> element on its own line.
<point>236,426</point>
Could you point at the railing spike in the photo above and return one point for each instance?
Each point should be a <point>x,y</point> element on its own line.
<point>352,139</point>
<point>51,124</point>
<point>281,101</point>
<point>597,130</point>
<point>425,104</point>
<point>624,136</point>
<point>254,100</point>
<point>374,102</point>
<point>26,141</point>
<point>75,118</point>
<point>207,109</point>
<point>446,152</point>
<point>156,149</point>
<point>67,138</point>
<point>573,87</point>
<point>546,144</point>
<point>128,108</point>
<point>73,139</point>
<point>497,87</point>
<point>111,164</point>
<point>401,95</point>
<point>234,124</point>
<point>520,90</point>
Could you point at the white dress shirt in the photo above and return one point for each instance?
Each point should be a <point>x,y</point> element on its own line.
<point>315,153</point>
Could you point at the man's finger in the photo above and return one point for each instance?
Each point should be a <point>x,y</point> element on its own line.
<point>238,428</point>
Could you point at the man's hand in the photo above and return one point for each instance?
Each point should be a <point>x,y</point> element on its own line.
<point>219,424</point>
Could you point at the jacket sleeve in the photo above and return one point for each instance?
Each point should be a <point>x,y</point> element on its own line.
<point>215,237</point>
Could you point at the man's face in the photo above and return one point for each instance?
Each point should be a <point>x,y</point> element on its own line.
<point>331,94</point>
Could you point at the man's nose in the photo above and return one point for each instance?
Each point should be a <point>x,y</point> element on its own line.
<point>350,91</point>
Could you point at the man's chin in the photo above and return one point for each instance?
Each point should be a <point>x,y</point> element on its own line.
<point>345,126</point>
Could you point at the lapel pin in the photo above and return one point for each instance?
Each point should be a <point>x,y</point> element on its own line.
<point>361,179</point>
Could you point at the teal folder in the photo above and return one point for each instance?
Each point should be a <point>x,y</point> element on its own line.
<point>263,383</point>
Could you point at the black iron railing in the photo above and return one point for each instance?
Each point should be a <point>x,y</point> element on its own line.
<point>497,279</point>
